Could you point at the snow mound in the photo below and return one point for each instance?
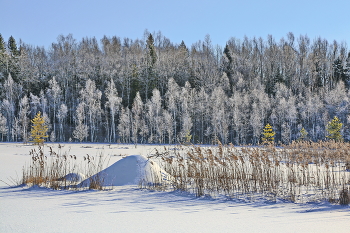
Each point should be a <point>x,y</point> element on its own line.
<point>74,177</point>
<point>131,170</point>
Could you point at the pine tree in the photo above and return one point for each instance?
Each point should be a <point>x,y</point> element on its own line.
<point>268,134</point>
<point>187,137</point>
<point>303,135</point>
<point>39,129</point>
<point>334,130</point>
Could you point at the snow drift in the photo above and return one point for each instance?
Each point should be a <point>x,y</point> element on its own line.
<point>131,170</point>
<point>73,177</point>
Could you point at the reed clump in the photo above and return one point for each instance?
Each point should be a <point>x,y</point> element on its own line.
<point>60,170</point>
<point>299,172</point>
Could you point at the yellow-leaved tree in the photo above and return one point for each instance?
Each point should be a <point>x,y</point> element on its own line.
<point>39,129</point>
<point>334,130</point>
<point>268,134</point>
<point>303,135</point>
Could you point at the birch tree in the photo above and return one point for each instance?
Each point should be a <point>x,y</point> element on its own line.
<point>92,102</point>
<point>61,116</point>
<point>124,125</point>
<point>137,110</point>
<point>113,103</point>
<point>3,126</point>
<point>23,118</point>
<point>55,93</point>
<point>81,129</point>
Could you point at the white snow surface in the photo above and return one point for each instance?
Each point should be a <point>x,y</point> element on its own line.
<point>129,171</point>
<point>79,177</point>
<point>126,208</point>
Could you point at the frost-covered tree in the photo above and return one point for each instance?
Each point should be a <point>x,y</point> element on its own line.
<point>186,127</point>
<point>91,97</point>
<point>43,102</point>
<point>256,120</point>
<point>124,125</point>
<point>154,117</point>
<point>24,118</point>
<point>3,126</point>
<point>290,82</point>
<point>202,113</point>
<point>172,100</point>
<point>113,103</point>
<point>168,125</point>
<point>186,102</point>
<point>34,104</point>
<point>8,112</point>
<point>61,116</point>
<point>9,103</point>
<point>219,119</point>
<point>81,130</point>
<point>55,93</point>
<point>137,110</point>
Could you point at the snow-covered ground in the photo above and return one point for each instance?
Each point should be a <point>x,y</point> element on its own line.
<point>126,208</point>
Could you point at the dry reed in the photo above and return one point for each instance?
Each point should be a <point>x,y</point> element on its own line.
<point>60,170</point>
<point>300,172</point>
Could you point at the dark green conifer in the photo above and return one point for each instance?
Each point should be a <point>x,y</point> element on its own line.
<point>151,49</point>
<point>13,46</point>
<point>2,44</point>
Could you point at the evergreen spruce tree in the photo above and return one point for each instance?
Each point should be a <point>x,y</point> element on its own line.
<point>151,49</point>
<point>2,44</point>
<point>183,46</point>
<point>346,76</point>
<point>10,64</point>
<point>151,60</point>
<point>227,66</point>
<point>3,62</point>
<point>268,134</point>
<point>338,70</point>
<point>334,130</point>
<point>13,46</point>
<point>39,129</point>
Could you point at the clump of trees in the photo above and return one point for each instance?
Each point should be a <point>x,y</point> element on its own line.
<point>151,90</point>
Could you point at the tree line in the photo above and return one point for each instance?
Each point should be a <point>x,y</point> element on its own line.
<point>151,90</point>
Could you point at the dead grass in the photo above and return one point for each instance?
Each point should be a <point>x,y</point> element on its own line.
<point>51,169</point>
<point>299,172</point>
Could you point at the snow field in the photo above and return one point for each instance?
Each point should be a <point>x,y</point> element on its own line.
<point>127,208</point>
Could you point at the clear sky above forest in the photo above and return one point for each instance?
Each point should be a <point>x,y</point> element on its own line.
<point>39,22</point>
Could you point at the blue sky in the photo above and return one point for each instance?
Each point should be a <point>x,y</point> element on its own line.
<point>39,22</point>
